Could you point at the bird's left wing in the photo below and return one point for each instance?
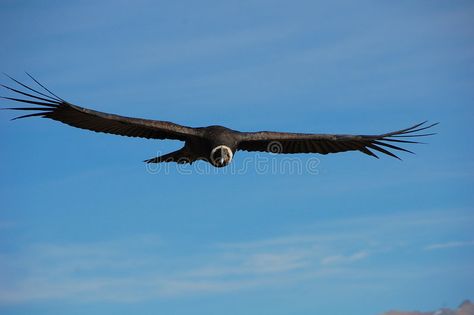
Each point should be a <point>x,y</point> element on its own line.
<point>282,142</point>
<point>48,105</point>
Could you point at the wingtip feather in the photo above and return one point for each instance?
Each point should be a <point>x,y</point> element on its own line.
<point>45,88</point>
<point>29,115</point>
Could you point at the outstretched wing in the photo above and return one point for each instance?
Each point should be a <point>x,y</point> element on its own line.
<point>48,105</point>
<point>280,142</point>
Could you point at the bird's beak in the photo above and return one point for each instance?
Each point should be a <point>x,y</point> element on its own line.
<point>221,161</point>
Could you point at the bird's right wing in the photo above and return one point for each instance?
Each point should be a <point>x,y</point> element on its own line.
<point>48,105</point>
<point>286,142</point>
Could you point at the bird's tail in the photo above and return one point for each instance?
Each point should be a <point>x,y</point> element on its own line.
<point>181,157</point>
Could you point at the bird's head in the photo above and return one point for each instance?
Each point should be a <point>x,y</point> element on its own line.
<point>221,156</point>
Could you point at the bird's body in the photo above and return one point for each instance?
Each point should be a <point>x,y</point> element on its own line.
<point>214,144</point>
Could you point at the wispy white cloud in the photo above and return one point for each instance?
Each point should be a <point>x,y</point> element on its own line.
<point>337,259</point>
<point>101,272</point>
<point>447,245</point>
<point>119,271</point>
<point>256,263</point>
<point>141,267</point>
<point>272,242</point>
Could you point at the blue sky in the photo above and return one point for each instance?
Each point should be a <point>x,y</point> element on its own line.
<point>85,227</point>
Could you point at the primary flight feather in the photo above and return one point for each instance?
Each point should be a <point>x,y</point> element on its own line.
<point>214,144</point>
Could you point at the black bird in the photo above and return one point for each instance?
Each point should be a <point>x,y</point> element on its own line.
<point>214,144</point>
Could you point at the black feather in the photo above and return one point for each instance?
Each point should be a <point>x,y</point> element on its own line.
<point>30,95</point>
<point>28,101</point>
<point>57,97</point>
<point>391,146</point>
<point>31,89</point>
<point>375,147</point>
<point>29,115</point>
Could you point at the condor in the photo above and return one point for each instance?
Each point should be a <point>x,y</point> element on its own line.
<point>214,144</point>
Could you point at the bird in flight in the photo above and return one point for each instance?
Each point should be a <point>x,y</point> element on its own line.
<point>214,144</point>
